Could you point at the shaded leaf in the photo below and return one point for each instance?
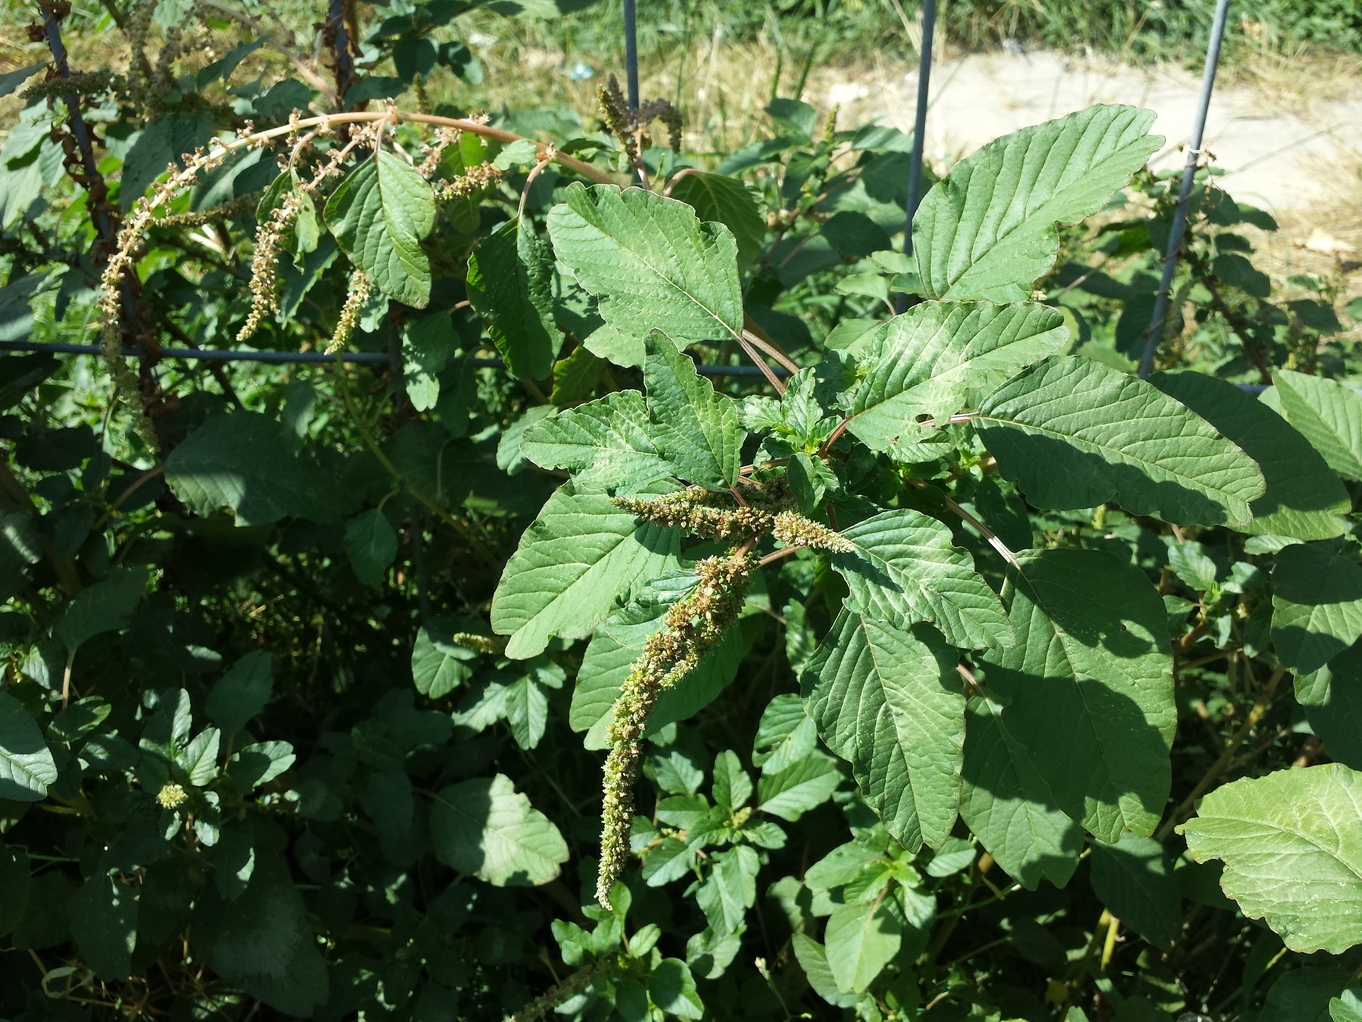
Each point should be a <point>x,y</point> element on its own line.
<point>1073,433</point>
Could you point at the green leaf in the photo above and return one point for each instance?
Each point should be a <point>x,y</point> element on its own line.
<point>199,759</point>
<point>1009,806</point>
<point>612,652</point>
<point>1074,433</point>
<point>785,734</point>
<point>427,344</point>
<point>672,988</point>
<point>804,785</point>
<point>15,880</point>
<point>486,828</point>
<point>1346,1008</point>
<point>103,607</point>
<point>861,939</point>
<point>388,801</point>
<point>1291,842</point>
<point>813,959</point>
<point>103,914</point>
<point>11,80</point>
<point>438,664</point>
<point>379,215</point>
<point>1328,414</point>
<point>371,546</point>
<point>727,200</point>
<point>732,786</point>
<point>730,889</point>
<point>905,569</point>
<point>1332,699</point>
<point>1316,603</point>
<point>243,461</point>
<point>575,377</point>
<point>650,262</point>
<point>262,940</point>
<point>606,444</point>
<point>695,428</point>
<point>510,284</point>
<point>888,700</point>
<point>241,693</point>
<point>1134,880</point>
<point>576,557</point>
<point>26,763</point>
<point>1304,499</point>
<point>987,230</point>
<point>20,546</point>
<point>930,360</point>
<point>1092,663</point>
<point>1303,995</point>
<point>527,702</point>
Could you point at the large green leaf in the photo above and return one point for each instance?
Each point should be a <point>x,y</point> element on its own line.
<point>106,606</point>
<point>371,546</point>
<point>486,828</point>
<point>1092,664</point>
<point>26,763</point>
<point>728,200</point>
<point>103,914</point>
<point>1332,698</point>
<point>1134,879</point>
<point>931,359</point>
<point>244,461</point>
<point>1008,805</point>
<point>1074,433</point>
<point>576,557</point>
<point>888,700</point>
<point>510,284</point>
<point>694,427</point>
<point>263,941</point>
<point>1328,414</point>
<point>906,569</point>
<point>813,959</point>
<point>1303,995</point>
<point>606,444</point>
<point>613,650</point>
<point>1291,842</point>
<point>241,693</point>
<point>987,230</point>
<point>650,262</point>
<point>861,939</point>
<point>1316,603</point>
<point>379,215</point>
<point>1304,498</point>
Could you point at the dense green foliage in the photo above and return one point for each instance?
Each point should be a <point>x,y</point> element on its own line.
<point>945,670</point>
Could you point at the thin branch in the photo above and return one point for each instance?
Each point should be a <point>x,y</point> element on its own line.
<point>760,363</point>
<point>770,349</point>
<point>978,526</point>
<point>529,180</point>
<point>302,66</point>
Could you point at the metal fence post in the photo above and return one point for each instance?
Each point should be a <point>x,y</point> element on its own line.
<point>924,74</point>
<point>1170,259</point>
<point>631,53</point>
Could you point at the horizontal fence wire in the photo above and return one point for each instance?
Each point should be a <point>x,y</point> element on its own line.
<point>312,357</point>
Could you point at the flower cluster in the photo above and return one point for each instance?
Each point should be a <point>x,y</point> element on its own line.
<point>691,628</point>
<point>360,290</point>
<point>469,183</point>
<point>700,512</point>
<point>793,529</point>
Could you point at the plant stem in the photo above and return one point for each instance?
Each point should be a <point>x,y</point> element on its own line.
<point>1226,758</point>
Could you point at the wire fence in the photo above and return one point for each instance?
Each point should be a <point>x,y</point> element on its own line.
<point>336,24</point>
